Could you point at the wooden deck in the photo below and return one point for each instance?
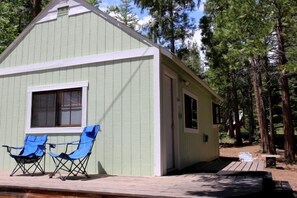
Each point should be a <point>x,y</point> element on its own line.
<point>239,166</point>
<point>210,179</point>
<point>108,186</point>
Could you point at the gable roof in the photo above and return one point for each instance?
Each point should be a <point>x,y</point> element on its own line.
<point>50,13</point>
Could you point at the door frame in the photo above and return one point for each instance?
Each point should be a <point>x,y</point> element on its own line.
<point>174,77</point>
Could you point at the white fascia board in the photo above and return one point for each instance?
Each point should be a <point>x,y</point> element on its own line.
<point>189,71</point>
<point>77,10</point>
<point>53,15</point>
<point>49,17</point>
<point>157,115</point>
<point>120,25</point>
<point>78,61</point>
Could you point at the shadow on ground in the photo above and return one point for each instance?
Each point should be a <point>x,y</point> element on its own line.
<point>241,187</point>
<point>213,166</point>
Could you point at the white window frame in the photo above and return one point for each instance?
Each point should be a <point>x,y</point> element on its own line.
<point>53,87</point>
<point>190,130</point>
<point>214,115</point>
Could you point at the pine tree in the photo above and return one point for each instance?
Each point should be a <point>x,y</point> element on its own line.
<point>124,13</point>
<point>171,23</point>
<point>95,3</point>
<point>190,55</point>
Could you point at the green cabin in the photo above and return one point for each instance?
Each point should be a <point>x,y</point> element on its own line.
<point>74,65</point>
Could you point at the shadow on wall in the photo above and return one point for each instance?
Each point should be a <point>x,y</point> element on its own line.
<point>101,170</point>
<point>124,87</point>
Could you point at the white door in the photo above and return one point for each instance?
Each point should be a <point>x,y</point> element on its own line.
<point>168,121</point>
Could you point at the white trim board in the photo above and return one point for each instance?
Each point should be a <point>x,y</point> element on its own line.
<point>176,106</point>
<point>58,86</point>
<point>190,130</point>
<point>30,90</point>
<point>78,61</point>
<point>157,115</point>
<point>53,13</point>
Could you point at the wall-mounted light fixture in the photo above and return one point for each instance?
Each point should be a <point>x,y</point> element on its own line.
<point>205,137</point>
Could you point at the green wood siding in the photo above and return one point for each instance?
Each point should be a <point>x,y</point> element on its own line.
<point>192,149</point>
<point>120,96</point>
<point>68,37</point>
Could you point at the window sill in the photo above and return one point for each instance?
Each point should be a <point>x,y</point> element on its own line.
<point>53,130</point>
<point>188,130</point>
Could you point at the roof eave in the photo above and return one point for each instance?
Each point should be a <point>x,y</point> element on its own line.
<point>117,23</point>
<point>173,57</point>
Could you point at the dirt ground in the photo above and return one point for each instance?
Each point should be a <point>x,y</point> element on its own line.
<point>282,171</point>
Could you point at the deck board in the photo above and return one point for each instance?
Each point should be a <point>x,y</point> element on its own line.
<point>234,166</point>
<point>239,166</point>
<point>254,166</point>
<point>228,166</point>
<point>247,166</point>
<point>186,185</point>
<point>261,165</point>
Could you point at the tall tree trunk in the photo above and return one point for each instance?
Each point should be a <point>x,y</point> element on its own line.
<point>289,137</point>
<point>36,7</point>
<point>154,30</point>
<point>259,106</point>
<point>231,126</point>
<point>230,115</point>
<point>251,118</point>
<point>236,111</point>
<point>270,110</point>
<point>287,122</point>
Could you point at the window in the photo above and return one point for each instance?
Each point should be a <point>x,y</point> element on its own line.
<point>216,113</point>
<point>190,112</point>
<point>57,108</point>
<point>60,108</point>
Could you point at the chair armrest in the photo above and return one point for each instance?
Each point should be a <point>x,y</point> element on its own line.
<point>13,147</point>
<point>8,148</point>
<point>54,145</point>
<point>71,143</point>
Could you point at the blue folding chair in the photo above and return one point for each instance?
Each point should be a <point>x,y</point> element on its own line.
<point>31,154</point>
<point>76,161</point>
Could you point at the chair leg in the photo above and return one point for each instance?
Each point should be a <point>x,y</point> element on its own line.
<point>37,166</point>
<point>25,166</point>
<point>16,168</point>
<point>74,167</point>
<point>56,168</point>
<point>20,165</point>
<point>59,166</point>
<point>80,167</point>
